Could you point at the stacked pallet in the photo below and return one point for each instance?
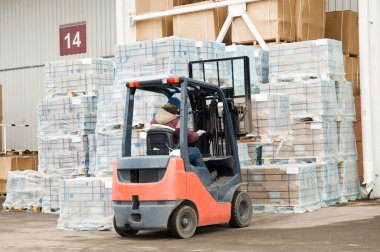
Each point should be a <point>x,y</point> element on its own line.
<point>290,188</point>
<point>65,118</point>
<point>321,108</point>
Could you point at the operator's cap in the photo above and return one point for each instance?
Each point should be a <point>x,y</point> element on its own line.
<point>175,102</point>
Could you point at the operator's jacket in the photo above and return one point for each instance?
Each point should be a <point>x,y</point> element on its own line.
<point>164,117</point>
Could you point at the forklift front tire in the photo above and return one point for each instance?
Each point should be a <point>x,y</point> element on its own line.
<point>183,222</point>
<point>241,210</point>
<point>123,231</point>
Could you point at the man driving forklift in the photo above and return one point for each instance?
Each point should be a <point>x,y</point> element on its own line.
<point>169,115</point>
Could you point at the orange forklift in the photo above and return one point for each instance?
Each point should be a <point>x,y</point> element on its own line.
<point>163,190</point>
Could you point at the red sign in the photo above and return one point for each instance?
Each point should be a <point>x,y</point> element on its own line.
<point>72,39</point>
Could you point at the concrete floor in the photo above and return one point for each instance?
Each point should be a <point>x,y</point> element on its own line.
<point>350,227</point>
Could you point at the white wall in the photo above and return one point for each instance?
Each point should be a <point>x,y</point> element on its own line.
<point>338,5</point>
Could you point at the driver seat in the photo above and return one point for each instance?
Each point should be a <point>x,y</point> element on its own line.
<point>161,140</point>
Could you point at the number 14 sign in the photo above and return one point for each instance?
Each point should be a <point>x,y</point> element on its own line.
<point>72,39</point>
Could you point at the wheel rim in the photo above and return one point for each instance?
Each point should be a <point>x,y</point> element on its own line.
<point>243,211</point>
<point>186,222</point>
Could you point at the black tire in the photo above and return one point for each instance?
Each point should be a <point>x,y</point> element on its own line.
<point>241,210</point>
<point>183,222</point>
<point>123,231</point>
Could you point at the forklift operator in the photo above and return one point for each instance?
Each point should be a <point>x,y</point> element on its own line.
<point>169,115</point>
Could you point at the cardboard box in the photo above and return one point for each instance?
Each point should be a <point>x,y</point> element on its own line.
<point>358,131</point>
<point>157,27</point>
<point>186,2</point>
<point>343,25</point>
<point>358,108</point>
<point>3,186</point>
<point>17,163</point>
<point>202,25</point>
<point>359,147</point>
<point>310,19</point>
<point>351,66</point>
<point>274,19</point>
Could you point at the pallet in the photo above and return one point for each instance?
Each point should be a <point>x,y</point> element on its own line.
<point>277,40</point>
<point>308,76</point>
<point>74,93</point>
<point>23,210</point>
<point>296,160</point>
<point>20,153</point>
<point>354,55</point>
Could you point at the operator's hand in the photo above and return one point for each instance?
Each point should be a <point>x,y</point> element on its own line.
<point>200,132</point>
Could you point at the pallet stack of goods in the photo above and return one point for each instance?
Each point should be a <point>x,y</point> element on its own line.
<point>321,112</point>
<point>65,118</point>
<point>154,59</point>
<point>343,26</point>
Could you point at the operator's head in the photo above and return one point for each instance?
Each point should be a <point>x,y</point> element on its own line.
<point>173,105</point>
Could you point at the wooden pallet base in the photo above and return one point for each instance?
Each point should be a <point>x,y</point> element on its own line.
<point>23,210</point>
<point>277,40</point>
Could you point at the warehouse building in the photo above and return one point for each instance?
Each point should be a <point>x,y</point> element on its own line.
<point>41,32</point>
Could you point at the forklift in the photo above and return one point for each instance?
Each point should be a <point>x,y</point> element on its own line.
<point>163,190</point>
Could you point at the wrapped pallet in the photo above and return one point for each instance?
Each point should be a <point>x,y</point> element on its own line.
<point>346,103</point>
<point>64,155</point>
<point>85,204</point>
<point>24,190</point>
<point>156,27</point>
<point>322,57</point>
<point>238,68</point>
<point>161,58</point>
<point>316,139</point>
<point>274,20</point>
<point>270,117</point>
<point>346,136</point>
<point>349,181</point>
<point>290,188</point>
<point>67,114</point>
<point>328,181</point>
<point>309,99</point>
<point>77,76</point>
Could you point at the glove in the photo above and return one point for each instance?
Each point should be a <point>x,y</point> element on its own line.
<point>200,132</point>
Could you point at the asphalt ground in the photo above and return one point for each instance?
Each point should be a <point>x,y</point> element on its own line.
<point>349,227</point>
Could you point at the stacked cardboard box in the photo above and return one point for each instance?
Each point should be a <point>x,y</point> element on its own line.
<point>344,26</point>
<point>157,27</point>
<point>282,20</point>
<point>201,25</point>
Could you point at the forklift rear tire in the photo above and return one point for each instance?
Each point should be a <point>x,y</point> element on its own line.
<point>183,222</point>
<point>241,210</point>
<point>123,231</point>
